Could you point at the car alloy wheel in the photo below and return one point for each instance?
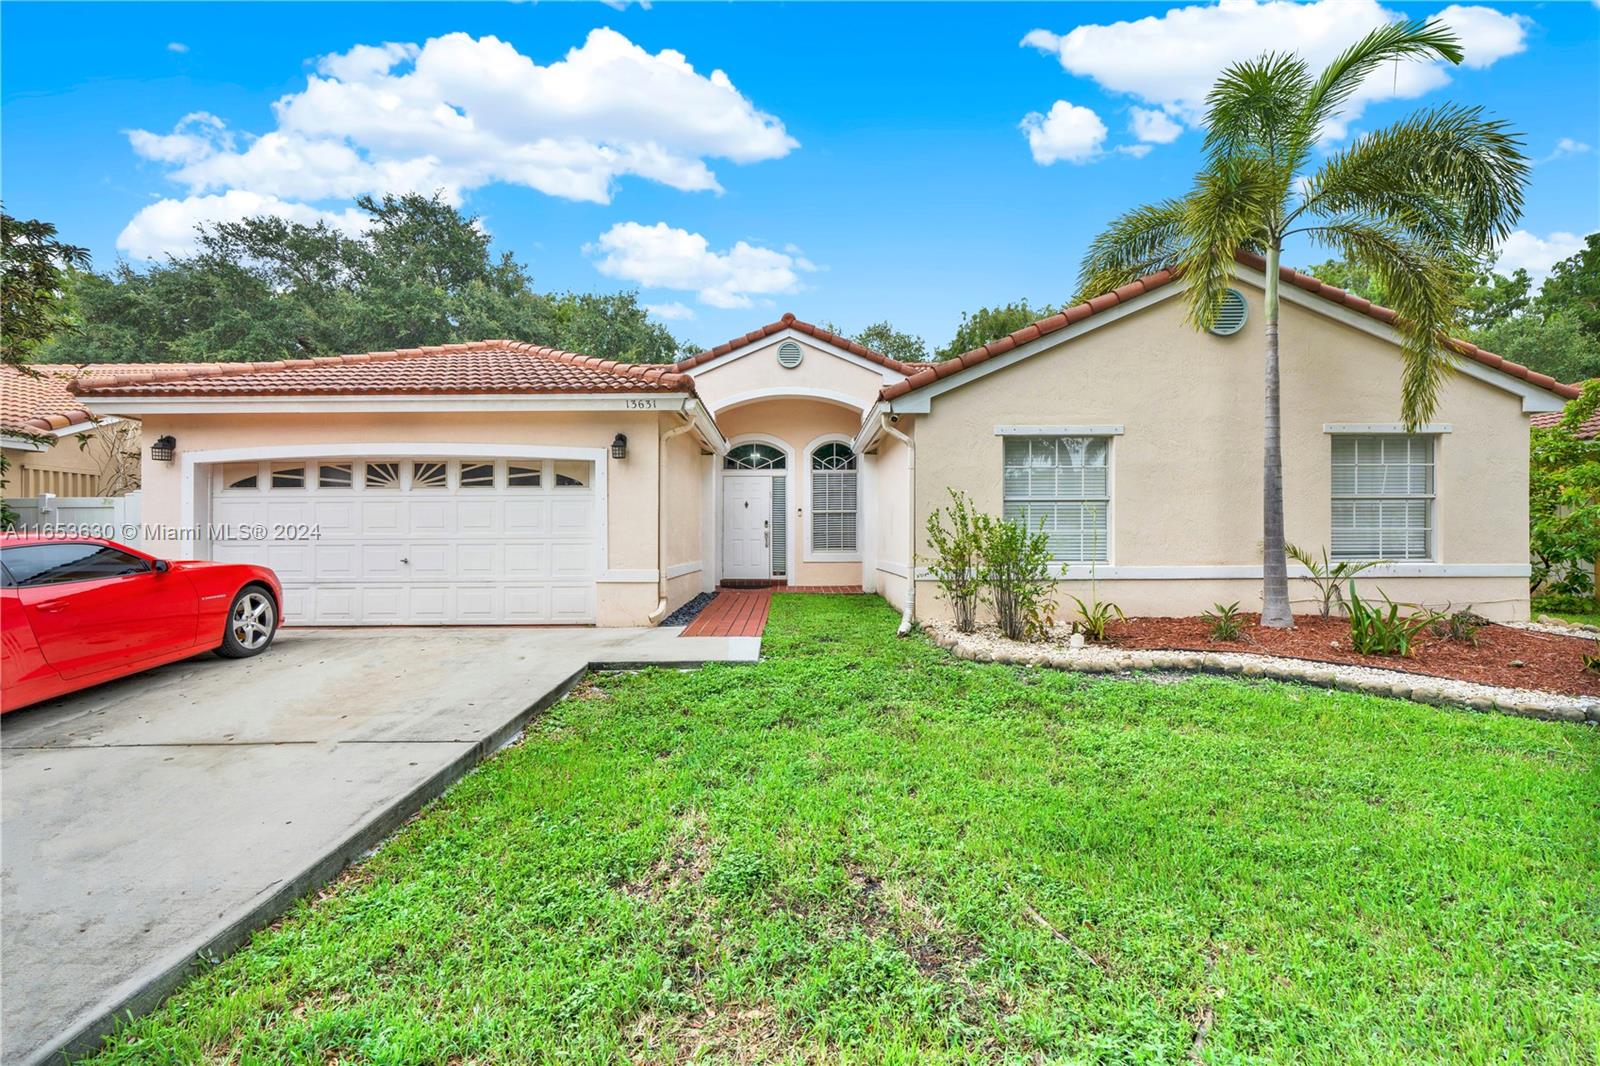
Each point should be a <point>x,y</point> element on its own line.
<point>252,621</point>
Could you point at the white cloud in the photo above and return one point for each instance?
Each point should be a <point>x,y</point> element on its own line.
<point>664,257</point>
<point>1536,254</point>
<point>1170,61</point>
<point>1138,151</point>
<point>177,46</point>
<point>1153,126</point>
<point>1068,132</point>
<point>458,112</point>
<point>1568,146</point>
<point>672,311</point>
<point>167,227</point>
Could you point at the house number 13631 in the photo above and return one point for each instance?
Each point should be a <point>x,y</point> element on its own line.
<point>641,405</point>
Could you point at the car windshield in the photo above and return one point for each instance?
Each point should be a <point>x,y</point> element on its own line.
<point>49,564</point>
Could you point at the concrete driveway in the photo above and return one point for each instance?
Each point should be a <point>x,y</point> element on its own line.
<point>157,819</point>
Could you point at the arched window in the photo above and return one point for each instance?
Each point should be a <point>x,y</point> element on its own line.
<point>753,457</point>
<point>833,498</point>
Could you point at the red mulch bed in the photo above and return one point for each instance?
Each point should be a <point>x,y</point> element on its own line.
<point>1550,662</point>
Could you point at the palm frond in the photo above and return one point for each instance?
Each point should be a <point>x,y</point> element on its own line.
<point>1253,105</point>
<point>1231,205</point>
<point>1447,172</point>
<point>1396,42</point>
<point>1424,285</point>
<point>1147,239</point>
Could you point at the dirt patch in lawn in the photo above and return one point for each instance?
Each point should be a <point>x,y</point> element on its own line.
<point>1512,658</point>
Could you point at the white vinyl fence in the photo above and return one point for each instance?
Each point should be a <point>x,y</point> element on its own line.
<point>115,517</point>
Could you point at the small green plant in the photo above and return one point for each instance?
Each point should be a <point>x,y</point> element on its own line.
<point>1384,630</point>
<point>1095,618</point>
<point>1460,626</point>
<point>1226,625</point>
<point>1016,566</point>
<point>737,873</point>
<point>956,564</point>
<point>1591,660</point>
<point>1328,576</point>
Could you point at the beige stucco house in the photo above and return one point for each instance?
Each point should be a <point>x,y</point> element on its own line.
<point>498,482</point>
<point>53,444</point>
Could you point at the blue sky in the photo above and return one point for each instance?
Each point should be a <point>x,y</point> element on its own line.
<point>850,163</point>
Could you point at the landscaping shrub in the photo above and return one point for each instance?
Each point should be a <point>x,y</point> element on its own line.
<point>1384,630</point>
<point>1094,618</point>
<point>1016,565</point>
<point>1591,662</point>
<point>957,564</point>
<point>1328,576</point>
<point>1225,623</point>
<point>1460,626</point>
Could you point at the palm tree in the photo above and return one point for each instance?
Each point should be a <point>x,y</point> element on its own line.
<point>1417,204</point>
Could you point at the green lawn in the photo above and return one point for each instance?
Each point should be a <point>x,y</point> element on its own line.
<point>1583,610</point>
<point>862,850</point>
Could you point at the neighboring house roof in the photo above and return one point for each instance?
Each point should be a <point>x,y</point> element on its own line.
<point>43,401</point>
<point>788,321</point>
<point>1588,429</point>
<point>497,366</point>
<point>1151,282</point>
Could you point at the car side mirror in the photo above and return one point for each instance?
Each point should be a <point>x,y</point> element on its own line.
<point>162,566</point>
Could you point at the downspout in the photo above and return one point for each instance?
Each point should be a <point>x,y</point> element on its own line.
<point>661,518</point>
<point>909,615</point>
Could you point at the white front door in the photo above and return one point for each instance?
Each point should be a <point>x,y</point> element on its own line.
<point>747,527</point>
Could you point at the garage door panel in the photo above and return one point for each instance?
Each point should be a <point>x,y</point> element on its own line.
<point>527,603</point>
<point>571,603</point>
<point>527,517</point>
<point>383,518</point>
<point>571,560</point>
<point>392,551</point>
<point>571,517</point>
<point>478,518</point>
<point>431,604</point>
<point>477,561</point>
<point>429,562</point>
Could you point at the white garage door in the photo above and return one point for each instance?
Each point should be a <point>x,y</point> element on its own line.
<point>415,541</point>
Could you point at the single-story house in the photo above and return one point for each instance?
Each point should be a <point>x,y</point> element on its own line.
<point>51,441</point>
<point>499,482</point>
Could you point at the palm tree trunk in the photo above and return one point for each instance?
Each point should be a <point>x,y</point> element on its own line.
<point>1275,609</point>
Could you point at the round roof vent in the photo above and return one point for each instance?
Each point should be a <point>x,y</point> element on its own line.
<point>1231,315</point>
<point>789,355</point>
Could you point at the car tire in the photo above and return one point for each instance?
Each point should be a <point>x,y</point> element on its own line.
<point>251,625</point>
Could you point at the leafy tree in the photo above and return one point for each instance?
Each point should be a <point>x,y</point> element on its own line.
<point>990,323</point>
<point>1495,298</point>
<point>1415,204</point>
<point>1564,500</point>
<point>35,265</point>
<point>1351,277</point>
<point>884,339</point>
<point>33,269</point>
<point>1573,288</point>
<point>1551,344</point>
<point>266,288</point>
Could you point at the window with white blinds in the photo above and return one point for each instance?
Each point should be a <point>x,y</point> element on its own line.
<point>833,498</point>
<point>1382,496</point>
<point>1061,485</point>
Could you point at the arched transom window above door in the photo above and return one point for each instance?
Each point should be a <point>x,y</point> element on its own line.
<point>753,456</point>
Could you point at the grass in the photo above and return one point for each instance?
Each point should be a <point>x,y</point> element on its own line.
<point>862,850</point>
<point>1583,610</point>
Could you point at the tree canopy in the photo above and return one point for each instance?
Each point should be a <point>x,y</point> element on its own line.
<point>36,266</point>
<point>990,323</point>
<point>1554,330</point>
<point>420,273</point>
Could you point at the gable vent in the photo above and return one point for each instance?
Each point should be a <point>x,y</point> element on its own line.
<point>789,354</point>
<point>1231,315</point>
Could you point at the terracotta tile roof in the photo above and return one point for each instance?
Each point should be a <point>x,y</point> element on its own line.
<point>44,401</point>
<point>1588,429</point>
<point>788,321</point>
<point>479,367</point>
<point>1151,282</point>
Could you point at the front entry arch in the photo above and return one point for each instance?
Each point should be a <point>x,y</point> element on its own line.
<point>754,528</point>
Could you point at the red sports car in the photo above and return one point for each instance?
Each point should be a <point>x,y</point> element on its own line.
<point>76,611</point>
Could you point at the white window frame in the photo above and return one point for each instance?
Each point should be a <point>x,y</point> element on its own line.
<point>1430,498</point>
<point>1109,435</point>
<point>812,554</point>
